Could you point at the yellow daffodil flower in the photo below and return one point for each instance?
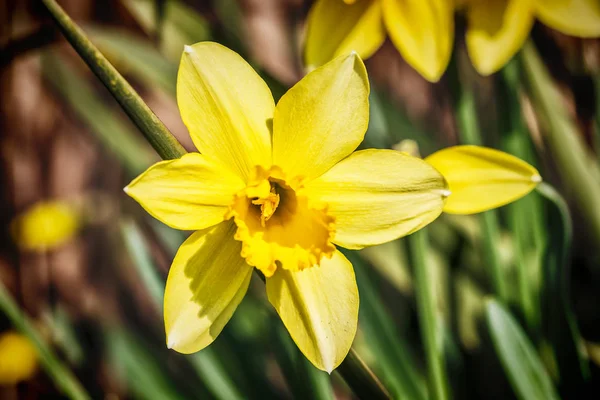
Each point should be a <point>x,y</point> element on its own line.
<point>421,30</point>
<point>480,178</point>
<point>277,187</point>
<point>45,225</point>
<point>497,29</point>
<point>18,358</point>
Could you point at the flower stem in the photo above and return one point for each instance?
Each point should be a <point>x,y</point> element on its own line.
<point>361,379</point>
<point>142,116</point>
<point>60,374</point>
<point>469,134</point>
<point>425,296</point>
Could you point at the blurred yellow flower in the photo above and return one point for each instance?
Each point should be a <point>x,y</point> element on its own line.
<point>423,30</point>
<point>497,29</point>
<point>45,225</point>
<point>276,187</point>
<point>18,358</point>
<point>480,178</point>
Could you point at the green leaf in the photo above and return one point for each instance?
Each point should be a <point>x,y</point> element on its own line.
<point>559,322</point>
<point>395,363</point>
<point>305,381</point>
<point>116,134</point>
<point>577,169</point>
<point>181,25</point>
<point>62,376</point>
<point>525,371</point>
<point>136,55</point>
<point>139,367</point>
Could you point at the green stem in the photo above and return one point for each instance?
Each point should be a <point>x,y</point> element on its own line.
<point>469,134</point>
<point>361,379</point>
<point>148,123</point>
<point>425,296</point>
<point>60,374</point>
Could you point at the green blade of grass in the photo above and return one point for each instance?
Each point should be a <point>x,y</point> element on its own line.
<point>113,132</point>
<point>469,133</point>
<point>63,378</point>
<point>560,324</point>
<point>525,371</point>
<point>140,368</point>
<point>425,295</point>
<point>305,381</point>
<point>578,170</point>
<point>394,362</point>
<point>147,122</point>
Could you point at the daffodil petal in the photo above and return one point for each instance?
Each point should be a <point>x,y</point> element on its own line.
<point>379,195</point>
<point>358,27</point>
<point>206,283</point>
<point>423,32</point>
<point>322,119</point>
<point>319,308</point>
<point>481,178</point>
<point>192,192</point>
<point>579,18</point>
<point>496,30</point>
<point>226,106</point>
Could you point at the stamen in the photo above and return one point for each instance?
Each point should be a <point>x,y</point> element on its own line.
<point>267,205</point>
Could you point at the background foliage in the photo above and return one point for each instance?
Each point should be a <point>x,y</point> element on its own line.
<point>515,291</point>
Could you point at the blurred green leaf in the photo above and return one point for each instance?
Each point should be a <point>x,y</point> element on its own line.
<point>560,324</point>
<point>305,381</point>
<point>469,133</point>
<point>395,365</point>
<point>390,261</point>
<point>432,331</point>
<point>112,131</point>
<point>142,371</point>
<point>578,170</point>
<point>525,371</point>
<point>62,376</point>
<point>181,25</point>
<point>525,216</point>
<point>135,55</point>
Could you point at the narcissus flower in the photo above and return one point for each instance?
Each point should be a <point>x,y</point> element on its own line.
<point>480,178</point>
<point>423,30</point>
<point>497,29</point>
<point>277,187</point>
<point>18,358</point>
<point>45,225</point>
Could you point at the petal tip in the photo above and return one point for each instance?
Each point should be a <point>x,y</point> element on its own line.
<point>536,178</point>
<point>445,193</point>
<point>126,189</point>
<point>188,49</point>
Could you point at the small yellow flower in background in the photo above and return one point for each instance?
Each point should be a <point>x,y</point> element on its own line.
<point>497,29</point>
<point>18,358</point>
<point>480,178</point>
<point>423,30</point>
<point>277,187</point>
<point>45,225</point>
